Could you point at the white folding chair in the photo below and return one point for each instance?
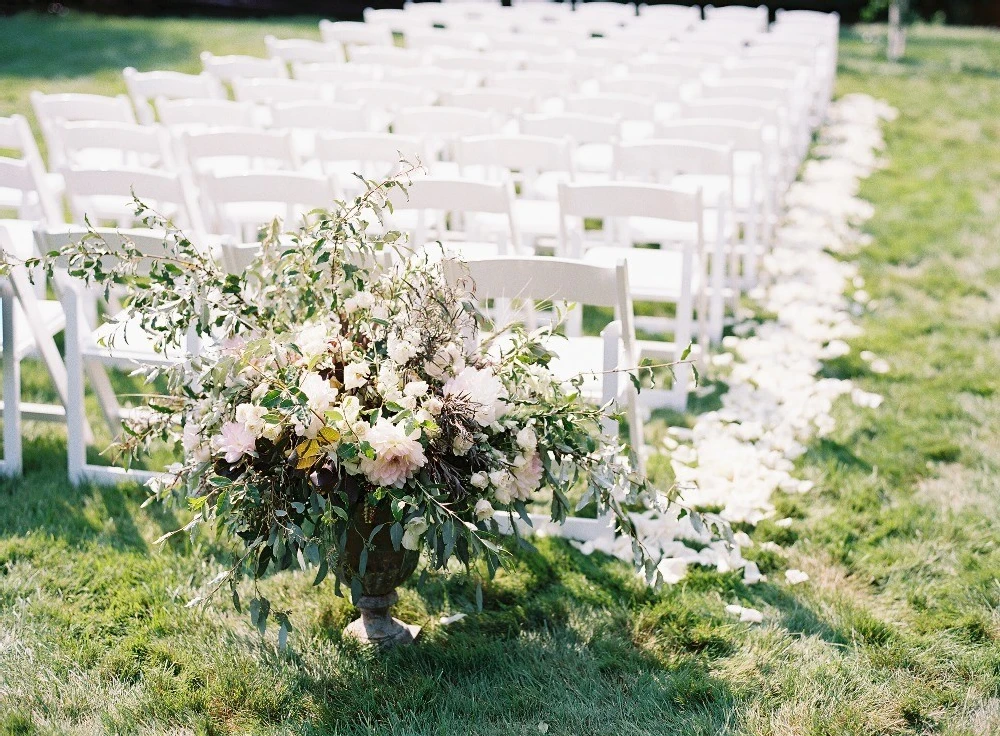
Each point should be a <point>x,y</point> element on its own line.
<point>438,81</point>
<point>29,325</point>
<point>144,87</point>
<point>770,115</point>
<point>236,66</point>
<point>753,17</point>
<point>636,112</point>
<point>541,84</point>
<point>601,362</point>
<point>337,74</point>
<point>387,56</point>
<point>333,116</point>
<point>468,36</point>
<point>375,156</point>
<point>25,186</point>
<point>94,344</point>
<point>706,169</point>
<point>677,273</point>
<point>95,144</point>
<point>299,50</point>
<point>68,107</point>
<point>579,69</point>
<point>181,116</point>
<point>753,165</point>
<point>237,150</point>
<point>439,127</point>
<point>269,91</point>
<point>242,203</point>
<point>591,135</point>
<point>352,35</point>
<point>535,164</point>
<point>474,62</point>
<point>663,91</point>
<point>466,215</point>
<point>307,119</point>
<point>526,44</point>
<point>108,196</point>
<point>681,17</point>
<point>384,99</point>
<point>501,103</point>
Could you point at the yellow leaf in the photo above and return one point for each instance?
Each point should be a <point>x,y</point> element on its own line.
<point>304,463</point>
<point>329,434</point>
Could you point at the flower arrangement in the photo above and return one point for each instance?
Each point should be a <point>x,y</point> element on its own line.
<point>341,369</point>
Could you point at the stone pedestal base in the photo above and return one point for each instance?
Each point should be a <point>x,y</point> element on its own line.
<point>377,627</point>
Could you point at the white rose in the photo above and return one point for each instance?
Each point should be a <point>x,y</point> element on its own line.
<point>415,388</point>
<point>361,300</point>
<point>461,445</point>
<point>401,351</point>
<point>312,340</point>
<point>415,529</point>
<point>433,405</point>
<point>479,480</point>
<point>526,439</point>
<point>356,375</point>
<point>484,510</point>
<point>251,416</point>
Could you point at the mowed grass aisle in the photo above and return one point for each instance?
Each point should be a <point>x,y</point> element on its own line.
<point>898,630</point>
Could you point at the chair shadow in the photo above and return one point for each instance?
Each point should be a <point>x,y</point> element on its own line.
<point>44,501</point>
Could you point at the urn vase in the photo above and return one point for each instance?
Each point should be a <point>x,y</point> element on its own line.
<point>386,568</point>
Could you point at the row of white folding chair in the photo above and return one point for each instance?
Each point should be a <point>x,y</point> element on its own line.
<point>29,325</point>
<point>26,189</point>
<point>667,277</point>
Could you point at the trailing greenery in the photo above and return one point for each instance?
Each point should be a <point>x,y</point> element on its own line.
<point>897,632</point>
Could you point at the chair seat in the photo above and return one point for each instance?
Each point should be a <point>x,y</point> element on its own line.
<point>52,322</point>
<point>127,342</point>
<point>658,230</point>
<point>584,356</point>
<point>712,187</point>
<point>22,237</point>
<point>593,157</point>
<point>654,275</point>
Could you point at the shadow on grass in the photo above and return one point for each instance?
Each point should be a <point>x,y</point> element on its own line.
<point>44,500</point>
<point>52,47</point>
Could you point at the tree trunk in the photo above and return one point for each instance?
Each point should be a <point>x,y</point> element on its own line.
<point>897,29</point>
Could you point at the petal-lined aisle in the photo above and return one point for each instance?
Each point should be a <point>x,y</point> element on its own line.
<point>735,458</point>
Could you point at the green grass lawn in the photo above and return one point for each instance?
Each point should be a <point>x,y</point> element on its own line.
<point>897,632</point>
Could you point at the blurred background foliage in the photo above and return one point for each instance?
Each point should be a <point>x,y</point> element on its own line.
<point>960,12</point>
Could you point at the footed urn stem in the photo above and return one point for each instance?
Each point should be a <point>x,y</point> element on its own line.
<point>377,626</point>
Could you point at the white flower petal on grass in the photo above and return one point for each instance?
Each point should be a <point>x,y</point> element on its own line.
<point>747,615</point>
<point>672,570</point>
<point>752,574</point>
<point>452,619</point>
<point>794,577</point>
<point>880,366</point>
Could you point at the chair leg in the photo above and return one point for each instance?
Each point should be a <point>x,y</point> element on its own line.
<point>12,460</point>
<point>105,393</point>
<point>76,444</point>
